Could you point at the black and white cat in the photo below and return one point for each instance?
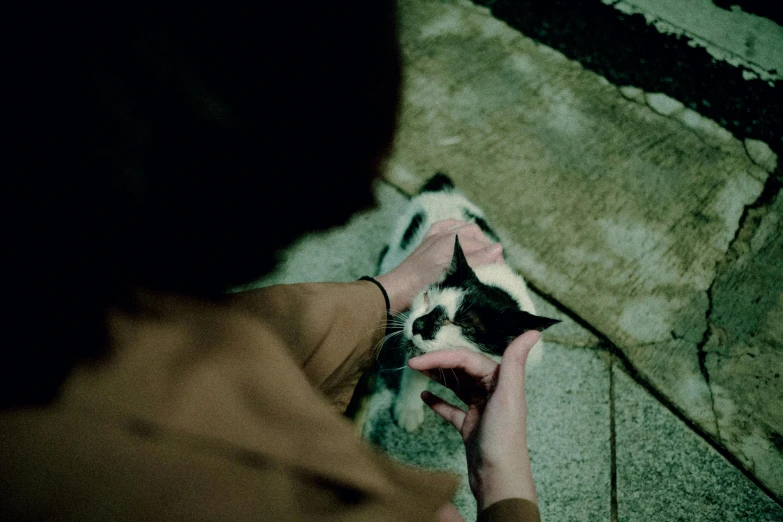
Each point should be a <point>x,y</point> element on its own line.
<point>482,309</point>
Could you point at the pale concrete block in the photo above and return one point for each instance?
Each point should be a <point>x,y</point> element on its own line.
<point>666,472</point>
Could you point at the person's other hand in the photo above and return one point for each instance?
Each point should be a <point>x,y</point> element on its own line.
<point>494,425</point>
<point>426,264</point>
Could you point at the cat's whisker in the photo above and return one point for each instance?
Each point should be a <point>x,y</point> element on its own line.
<point>396,325</point>
<point>388,327</point>
<point>378,348</point>
<point>387,337</point>
<point>393,369</point>
<point>392,334</point>
<point>455,377</point>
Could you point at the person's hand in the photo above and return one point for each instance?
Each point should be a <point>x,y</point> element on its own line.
<point>426,264</point>
<point>493,427</point>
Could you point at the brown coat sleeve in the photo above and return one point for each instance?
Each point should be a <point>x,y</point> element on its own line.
<point>512,509</point>
<point>331,329</point>
<point>208,411</point>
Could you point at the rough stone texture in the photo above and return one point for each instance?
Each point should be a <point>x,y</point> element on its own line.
<point>568,435</point>
<point>628,49</point>
<point>742,352</point>
<point>761,154</point>
<point>734,36</point>
<point>620,213</point>
<point>666,472</point>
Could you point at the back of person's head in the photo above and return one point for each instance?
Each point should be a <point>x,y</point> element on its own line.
<point>176,149</point>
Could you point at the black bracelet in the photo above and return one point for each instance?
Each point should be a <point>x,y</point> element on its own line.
<point>383,290</point>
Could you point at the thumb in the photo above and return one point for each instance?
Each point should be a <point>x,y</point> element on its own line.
<point>512,367</point>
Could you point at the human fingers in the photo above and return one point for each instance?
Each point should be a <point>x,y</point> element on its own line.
<point>474,375</point>
<point>474,364</point>
<point>511,375</point>
<point>454,415</point>
<point>471,231</point>
<point>485,256</point>
<point>444,226</point>
<point>464,229</point>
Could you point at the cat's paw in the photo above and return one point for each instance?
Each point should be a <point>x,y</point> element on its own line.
<point>408,416</point>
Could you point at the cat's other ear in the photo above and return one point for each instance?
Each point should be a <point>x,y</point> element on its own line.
<point>536,322</point>
<point>524,322</point>
<point>460,270</point>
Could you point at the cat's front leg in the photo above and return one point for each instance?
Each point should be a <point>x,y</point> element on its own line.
<point>408,407</point>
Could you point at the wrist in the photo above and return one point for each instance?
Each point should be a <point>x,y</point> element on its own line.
<point>493,485</point>
<point>400,295</point>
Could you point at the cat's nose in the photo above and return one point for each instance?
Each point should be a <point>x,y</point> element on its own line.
<point>428,325</point>
<point>419,326</point>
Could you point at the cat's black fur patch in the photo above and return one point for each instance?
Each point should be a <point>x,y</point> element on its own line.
<point>488,315</point>
<point>381,256</point>
<point>407,237</point>
<point>437,183</point>
<point>489,322</point>
<point>427,325</point>
<point>492,319</point>
<point>482,224</point>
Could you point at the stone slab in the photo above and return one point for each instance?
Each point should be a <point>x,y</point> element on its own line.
<point>743,354</point>
<point>666,472</point>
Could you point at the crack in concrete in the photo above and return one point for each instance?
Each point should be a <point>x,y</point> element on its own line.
<point>613,506</point>
<point>572,344</point>
<point>702,354</point>
<point>751,218</point>
<point>746,227</point>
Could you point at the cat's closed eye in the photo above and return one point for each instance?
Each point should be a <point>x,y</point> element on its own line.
<point>470,322</point>
<point>466,328</point>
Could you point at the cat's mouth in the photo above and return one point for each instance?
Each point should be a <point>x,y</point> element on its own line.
<point>414,349</point>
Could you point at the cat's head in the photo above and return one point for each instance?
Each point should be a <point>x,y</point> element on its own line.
<point>463,312</point>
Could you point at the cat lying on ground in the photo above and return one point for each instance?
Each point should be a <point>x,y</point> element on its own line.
<point>482,309</point>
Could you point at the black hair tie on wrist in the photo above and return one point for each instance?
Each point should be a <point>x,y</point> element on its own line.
<point>383,291</point>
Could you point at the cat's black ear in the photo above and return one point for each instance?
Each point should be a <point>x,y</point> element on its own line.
<point>536,322</point>
<point>524,322</point>
<point>459,271</point>
<point>440,182</point>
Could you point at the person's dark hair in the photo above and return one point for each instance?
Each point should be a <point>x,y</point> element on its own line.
<point>177,150</point>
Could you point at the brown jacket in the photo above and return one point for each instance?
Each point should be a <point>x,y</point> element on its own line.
<point>225,411</point>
